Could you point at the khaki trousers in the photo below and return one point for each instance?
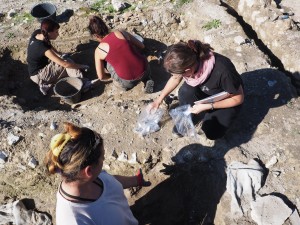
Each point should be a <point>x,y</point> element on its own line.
<point>53,72</point>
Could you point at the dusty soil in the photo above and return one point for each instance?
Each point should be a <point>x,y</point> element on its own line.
<point>193,190</point>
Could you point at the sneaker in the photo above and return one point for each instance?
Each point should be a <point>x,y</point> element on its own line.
<point>176,133</point>
<point>169,99</point>
<point>44,88</point>
<point>149,86</point>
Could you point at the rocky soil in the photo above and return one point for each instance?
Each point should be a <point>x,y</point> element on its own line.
<point>193,190</point>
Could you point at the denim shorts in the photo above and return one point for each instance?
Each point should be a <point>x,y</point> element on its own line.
<point>129,84</point>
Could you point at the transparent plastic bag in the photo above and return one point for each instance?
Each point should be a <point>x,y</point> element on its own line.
<point>148,121</point>
<point>183,120</point>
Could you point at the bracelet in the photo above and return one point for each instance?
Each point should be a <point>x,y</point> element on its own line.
<point>212,106</point>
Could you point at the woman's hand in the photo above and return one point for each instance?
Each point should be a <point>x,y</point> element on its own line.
<point>154,105</point>
<point>106,77</point>
<point>198,108</point>
<point>140,180</point>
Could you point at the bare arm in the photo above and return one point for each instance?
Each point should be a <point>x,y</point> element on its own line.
<point>172,83</point>
<point>55,51</point>
<point>53,57</point>
<point>99,63</point>
<point>231,101</point>
<point>126,181</point>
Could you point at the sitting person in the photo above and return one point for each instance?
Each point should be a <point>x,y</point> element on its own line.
<point>205,73</point>
<point>40,52</point>
<point>88,195</point>
<point>118,50</point>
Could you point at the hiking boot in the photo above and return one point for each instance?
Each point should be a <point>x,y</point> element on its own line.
<point>149,86</point>
<point>169,99</point>
<point>175,132</point>
<point>44,88</point>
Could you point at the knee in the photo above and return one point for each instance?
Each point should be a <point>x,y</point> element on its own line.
<point>184,91</point>
<point>186,95</point>
<point>35,79</point>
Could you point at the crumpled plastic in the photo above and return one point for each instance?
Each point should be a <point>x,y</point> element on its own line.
<point>148,121</point>
<point>182,119</point>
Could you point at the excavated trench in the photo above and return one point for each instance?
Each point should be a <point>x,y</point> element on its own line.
<point>251,33</point>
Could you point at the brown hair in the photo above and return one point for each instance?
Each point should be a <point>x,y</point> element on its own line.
<point>48,25</point>
<point>184,55</point>
<point>97,26</point>
<point>76,154</point>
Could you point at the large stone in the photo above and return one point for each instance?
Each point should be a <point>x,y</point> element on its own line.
<point>274,32</point>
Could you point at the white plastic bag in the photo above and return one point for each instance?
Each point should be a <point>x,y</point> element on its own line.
<point>183,120</point>
<point>148,121</point>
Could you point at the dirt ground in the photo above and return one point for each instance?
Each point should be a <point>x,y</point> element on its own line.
<point>192,190</point>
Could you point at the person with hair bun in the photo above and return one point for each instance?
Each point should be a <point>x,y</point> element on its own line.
<point>118,53</point>
<point>205,73</point>
<point>40,51</point>
<point>86,194</point>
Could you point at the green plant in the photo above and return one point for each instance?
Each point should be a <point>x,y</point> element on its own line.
<point>180,2</point>
<point>102,5</point>
<point>23,17</point>
<point>212,24</point>
<point>10,35</point>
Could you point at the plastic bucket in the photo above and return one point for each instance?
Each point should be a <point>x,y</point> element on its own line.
<point>69,89</point>
<point>44,11</point>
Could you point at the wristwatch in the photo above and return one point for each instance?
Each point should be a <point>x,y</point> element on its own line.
<point>212,106</point>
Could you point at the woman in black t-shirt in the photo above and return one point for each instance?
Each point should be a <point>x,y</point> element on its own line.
<point>40,52</point>
<point>205,73</point>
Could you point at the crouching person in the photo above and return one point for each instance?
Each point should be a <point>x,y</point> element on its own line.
<point>45,65</point>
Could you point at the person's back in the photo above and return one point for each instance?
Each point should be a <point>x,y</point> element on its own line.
<point>110,209</point>
<point>36,58</point>
<point>117,57</point>
<point>128,63</point>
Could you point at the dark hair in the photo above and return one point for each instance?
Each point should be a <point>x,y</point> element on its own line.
<point>48,25</point>
<point>97,26</point>
<point>76,153</point>
<point>184,55</point>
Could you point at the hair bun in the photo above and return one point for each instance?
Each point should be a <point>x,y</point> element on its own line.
<point>192,45</point>
<point>73,130</point>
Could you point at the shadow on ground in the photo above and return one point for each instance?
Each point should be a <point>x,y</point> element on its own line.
<point>189,196</point>
<point>16,82</point>
<point>154,51</point>
<point>264,89</point>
